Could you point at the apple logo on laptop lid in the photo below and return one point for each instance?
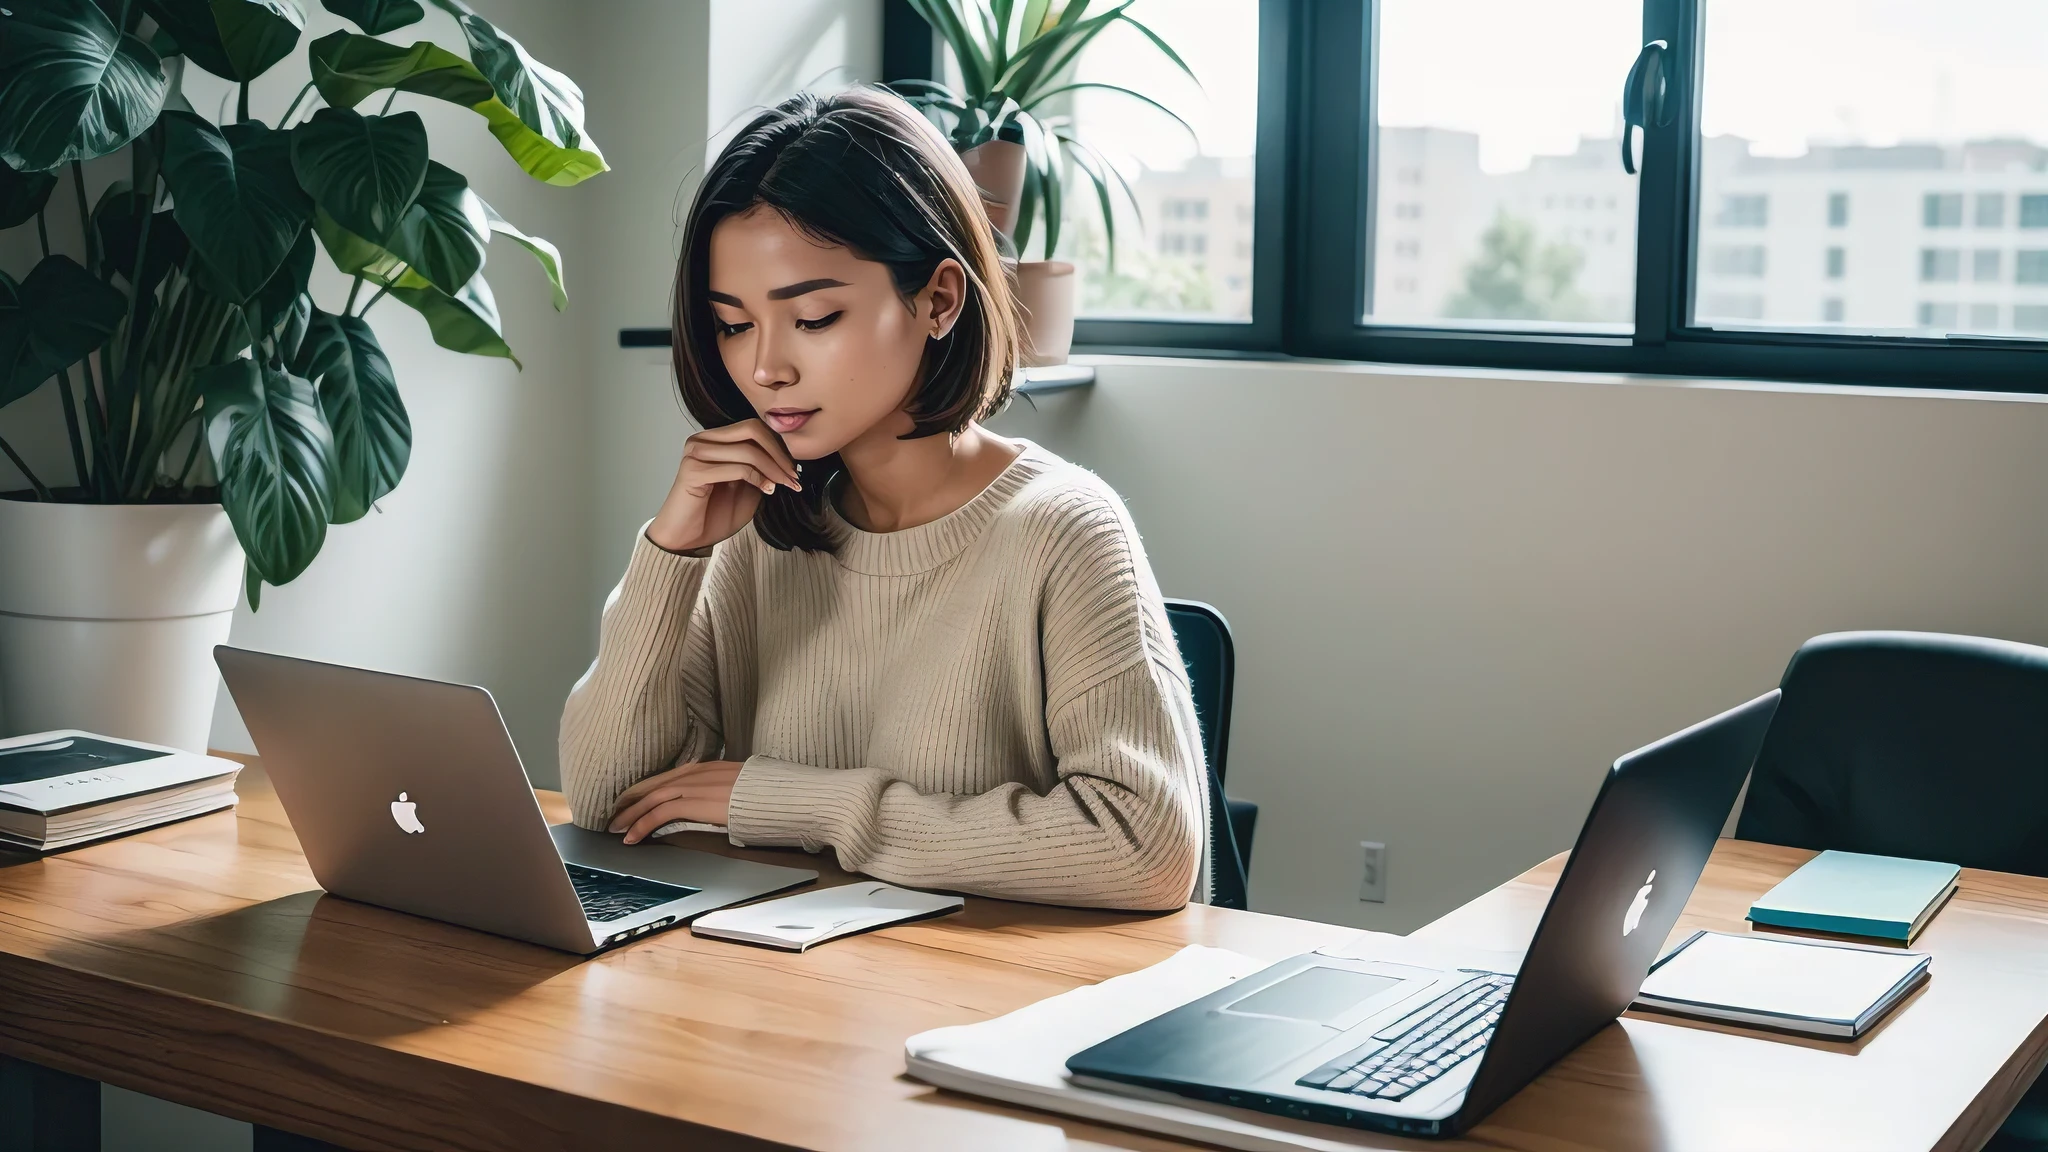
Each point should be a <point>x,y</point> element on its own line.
<point>405,813</point>
<point>1637,906</point>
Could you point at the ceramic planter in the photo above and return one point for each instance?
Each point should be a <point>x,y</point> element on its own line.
<point>1046,290</point>
<point>998,170</point>
<point>109,614</point>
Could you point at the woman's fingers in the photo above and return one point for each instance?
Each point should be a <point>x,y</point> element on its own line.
<point>744,452</point>
<point>640,789</point>
<point>666,813</point>
<point>756,432</point>
<point>704,475</point>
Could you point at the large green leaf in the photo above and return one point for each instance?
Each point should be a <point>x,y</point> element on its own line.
<point>117,219</point>
<point>359,393</point>
<point>234,194</point>
<point>549,257</point>
<point>377,16</point>
<point>23,194</point>
<point>50,321</point>
<point>283,307</point>
<point>362,170</point>
<point>547,137</point>
<point>274,455</point>
<point>464,322</point>
<point>347,68</point>
<point>356,256</point>
<point>235,39</point>
<point>72,86</point>
<point>442,235</point>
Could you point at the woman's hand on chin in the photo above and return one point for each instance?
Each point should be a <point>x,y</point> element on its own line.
<point>701,791</point>
<point>724,474</point>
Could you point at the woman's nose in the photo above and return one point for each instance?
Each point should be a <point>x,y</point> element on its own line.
<point>772,368</point>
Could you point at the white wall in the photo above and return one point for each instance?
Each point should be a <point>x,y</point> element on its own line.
<point>1457,596</point>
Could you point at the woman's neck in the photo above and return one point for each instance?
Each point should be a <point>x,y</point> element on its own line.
<point>894,484</point>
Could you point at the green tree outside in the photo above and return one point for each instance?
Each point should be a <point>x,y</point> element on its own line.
<point>1517,277</point>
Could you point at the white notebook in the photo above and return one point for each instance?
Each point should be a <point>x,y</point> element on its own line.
<point>807,918</point>
<point>1817,988</point>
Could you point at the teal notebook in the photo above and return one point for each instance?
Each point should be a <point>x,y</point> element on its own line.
<point>1858,895</point>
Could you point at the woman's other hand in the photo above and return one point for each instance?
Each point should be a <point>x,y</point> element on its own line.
<point>701,791</point>
<point>724,473</point>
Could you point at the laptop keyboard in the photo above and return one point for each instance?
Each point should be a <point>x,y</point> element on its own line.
<point>608,896</point>
<point>1421,1046</point>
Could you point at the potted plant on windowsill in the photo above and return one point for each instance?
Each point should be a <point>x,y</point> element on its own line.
<point>1013,60</point>
<point>217,417</point>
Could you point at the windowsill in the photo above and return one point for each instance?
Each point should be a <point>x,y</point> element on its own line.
<point>1053,378</point>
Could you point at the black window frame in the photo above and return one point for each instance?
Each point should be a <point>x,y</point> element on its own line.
<point>1312,232</point>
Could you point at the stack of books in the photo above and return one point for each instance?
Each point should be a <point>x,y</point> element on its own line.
<point>62,789</point>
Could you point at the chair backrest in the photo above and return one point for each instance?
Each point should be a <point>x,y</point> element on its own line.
<point>1203,637</point>
<point>1912,744</point>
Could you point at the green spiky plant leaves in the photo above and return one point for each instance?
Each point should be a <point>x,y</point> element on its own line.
<point>1014,60</point>
<point>191,359</point>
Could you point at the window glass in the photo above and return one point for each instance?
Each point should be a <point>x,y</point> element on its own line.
<point>1857,170</point>
<point>1498,197</point>
<point>1186,253</point>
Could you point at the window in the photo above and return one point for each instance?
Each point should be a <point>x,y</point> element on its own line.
<point>1176,255</point>
<point>1748,211</point>
<point>1938,316</point>
<point>1941,264</point>
<point>2030,266</point>
<point>1736,260</point>
<point>1523,190</point>
<point>1451,170</point>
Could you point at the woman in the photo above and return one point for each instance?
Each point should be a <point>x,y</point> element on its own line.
<point>860,619</point>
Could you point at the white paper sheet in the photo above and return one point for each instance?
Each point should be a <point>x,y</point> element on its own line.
<point>1021,1058</point>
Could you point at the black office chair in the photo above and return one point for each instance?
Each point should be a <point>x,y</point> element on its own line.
<point>1914,744</point>
<point>1204,639</point>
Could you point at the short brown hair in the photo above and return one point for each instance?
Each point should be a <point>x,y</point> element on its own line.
<point>864,171</point>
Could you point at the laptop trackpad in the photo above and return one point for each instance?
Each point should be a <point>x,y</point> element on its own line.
<point>1313,995</point>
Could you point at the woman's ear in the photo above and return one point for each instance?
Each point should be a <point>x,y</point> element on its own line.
<point>943,298</point>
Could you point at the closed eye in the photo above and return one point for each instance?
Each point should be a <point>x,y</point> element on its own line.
<point>725,329</point>
<point>821,322</point>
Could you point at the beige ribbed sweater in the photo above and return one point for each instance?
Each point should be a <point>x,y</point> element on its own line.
<point>989,703</point>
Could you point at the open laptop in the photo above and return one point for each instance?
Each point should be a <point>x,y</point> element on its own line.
<point>408,794</point>
<point>1428,1051</point>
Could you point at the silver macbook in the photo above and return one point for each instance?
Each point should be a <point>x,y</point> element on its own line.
<point>408,794</point>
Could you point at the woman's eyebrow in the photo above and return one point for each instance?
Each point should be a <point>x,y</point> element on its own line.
<point>793,290</point>
<point>722,298</point>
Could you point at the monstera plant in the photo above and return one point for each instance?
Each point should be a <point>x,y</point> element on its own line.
<point>192,363</point>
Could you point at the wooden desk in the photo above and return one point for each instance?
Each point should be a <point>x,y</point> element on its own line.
<point>198,963</point>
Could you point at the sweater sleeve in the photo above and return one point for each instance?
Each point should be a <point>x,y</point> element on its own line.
<point>1121,825</point>
<point>651,699</point>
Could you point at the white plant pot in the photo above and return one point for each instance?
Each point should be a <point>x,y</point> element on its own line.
<point>109,614</point>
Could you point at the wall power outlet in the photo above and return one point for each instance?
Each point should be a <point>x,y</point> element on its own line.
<point>1374,886</point>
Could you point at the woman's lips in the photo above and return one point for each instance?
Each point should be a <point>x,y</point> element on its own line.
<point>787,420</point>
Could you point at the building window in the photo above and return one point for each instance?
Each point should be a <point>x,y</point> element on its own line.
<point>1940,265</point>
<point>1838,209</point>
<point>1942,210</point>
<point>1736,260</point>
<point>1745,211</point>
<point>1410,211</point>
<point>1408,249</point>
<point>1983,317</point>
<point>1831,310</point>
<point>1734,306</point>
<point>1984,265</point>
<point>2034,210</point>
<point>1990,210</point>
<point>2030,317</point>
<point>2030,266</point>
<point>1941,317</point>
<point>1837,260</point>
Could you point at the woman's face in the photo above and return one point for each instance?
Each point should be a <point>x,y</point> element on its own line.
<point>818,339</point>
